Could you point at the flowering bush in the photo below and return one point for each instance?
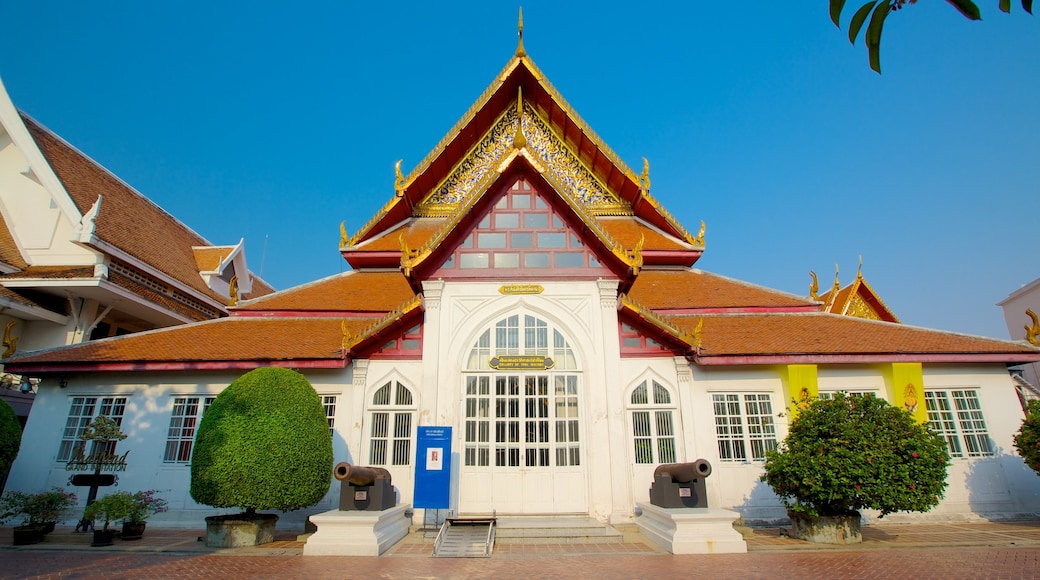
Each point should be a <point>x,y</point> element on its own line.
<point>851,453</point>
<point>1027,440</point>
<point>36,508</point>
<point>144,504</point>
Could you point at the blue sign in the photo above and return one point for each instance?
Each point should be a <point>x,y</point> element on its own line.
<point>433,468</point>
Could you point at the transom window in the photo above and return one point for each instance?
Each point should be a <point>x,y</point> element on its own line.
<point>956,415</point>
<point>653,423</point>
<point>392,419</point>
<point>521,233</point>
<point>743,422</point>
<point>184,421</point>
<point>82,413</point>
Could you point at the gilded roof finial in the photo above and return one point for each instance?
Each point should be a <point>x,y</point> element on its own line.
<point>343,234</point>
<point>837,285</point>
<point>347,339</point>
<point>700,235</point>
<point>520,34</point>
<point>519,141</point>
<point>11,342</point>
<point>398,179</point>
<point>1033,332</point>
<point>233,291</point>
<point>814,288</point>
<point>859,272</point>
<point>644,179</point>
<point>698,335</point>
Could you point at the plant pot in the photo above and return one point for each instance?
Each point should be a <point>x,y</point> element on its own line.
<point>238,530</point>
<point>26,535</point>
<point>840,529</point>
<point>48,527</point>
<point>132,530</point>
<point>103,537</point>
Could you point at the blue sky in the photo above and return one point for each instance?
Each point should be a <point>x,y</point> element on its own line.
<point>278,121</point>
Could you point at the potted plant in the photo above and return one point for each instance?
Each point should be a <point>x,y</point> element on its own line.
<point>263,444</point>
<point>39,511</point>
<point>851,453</point>
<point>112,507</point>
<point>142,504</point>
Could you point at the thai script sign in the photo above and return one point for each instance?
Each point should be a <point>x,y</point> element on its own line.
<point>521,362</point>
<point>521,289</point>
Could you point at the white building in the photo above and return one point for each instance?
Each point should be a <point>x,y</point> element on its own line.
<point>523,287</point>
<point>1021,311</point>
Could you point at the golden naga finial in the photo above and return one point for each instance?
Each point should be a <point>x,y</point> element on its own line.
<point>1032,332</point>
<point>837,285</point>
<point>343,234</point>
<point>697,334</point>
<point>233,291</point>
<point>700,235</point>
<point>814,288</point>
<point>11,342</point>
<point>520,35</point>
<point>347,339</point>
<point>398,179</point>
<point>636,255</point>
<point>859,271</point>
<point>644,179</point>
<point>519,141</point>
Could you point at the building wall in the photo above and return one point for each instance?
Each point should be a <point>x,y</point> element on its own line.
<point>1015,306</point>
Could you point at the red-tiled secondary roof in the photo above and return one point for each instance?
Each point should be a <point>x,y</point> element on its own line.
<point>127,219</point>
<point>354,291</point>
<point>416,232</point>
<point>208,259</point>
<point>822,334</point>
<point>9,253</point>
<point>626,231</point>
<point>246,339</point>
<point>696,289</point>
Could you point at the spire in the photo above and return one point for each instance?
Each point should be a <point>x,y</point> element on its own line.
<point>519,141</point>
<point>520,33</point>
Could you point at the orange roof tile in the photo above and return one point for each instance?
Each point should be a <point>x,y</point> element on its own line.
<point>52,272</point>
<point>127,219</point>
<point>9,252</point>
<point>696,289</point>
<point>208,259</point>
<point>246,339</point>
<point>416,232</point>
<point>822,334</point>
<point>354,291</point>
<point>626,231</point>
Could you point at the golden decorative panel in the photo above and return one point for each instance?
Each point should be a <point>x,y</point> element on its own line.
<point>861,309</point>
<point>521,289</point>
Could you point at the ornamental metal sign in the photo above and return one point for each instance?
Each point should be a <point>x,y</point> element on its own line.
<point>521,362</point>
<point>521,289</point>
<point>99,462</point>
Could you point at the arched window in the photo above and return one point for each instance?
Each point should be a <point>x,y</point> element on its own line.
<point>653,423</point>
<point>392,416</point>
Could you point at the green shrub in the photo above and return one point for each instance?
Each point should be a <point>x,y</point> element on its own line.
<point>1027,440</point>
<point>10,438</point>
<point>263,444</point>
<point>851,453</point>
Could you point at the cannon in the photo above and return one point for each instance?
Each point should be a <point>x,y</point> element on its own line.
<point>680,485</point>
<point>364,488</point>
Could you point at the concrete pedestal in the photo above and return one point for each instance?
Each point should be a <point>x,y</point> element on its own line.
<point>357,533</point>
<point>691,530</point>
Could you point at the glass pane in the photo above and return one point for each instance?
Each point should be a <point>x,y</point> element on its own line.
<point>521,239</point>
<point>552,240</point>
<point>507,260</point>
<point>491,240</point>
<point>569,259</point>
<point>507,220</point>
<point>536,221</point>
<point>536,260</point>
<point>478,260</point>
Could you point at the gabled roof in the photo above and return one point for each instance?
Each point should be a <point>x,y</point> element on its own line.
<point>521,115</point>
<point>350,292</point>
<point>692,290</point>
<point>857,299</point>
<point>9,253</point>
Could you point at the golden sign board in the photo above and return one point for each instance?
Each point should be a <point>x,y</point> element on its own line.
<point>521,362</point>
<point>521,289</point>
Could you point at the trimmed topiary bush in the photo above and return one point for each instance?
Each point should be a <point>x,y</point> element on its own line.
<point>263,444</point>
<point>1027,440</point>
<point>851,453</point>
<point>10,438</point>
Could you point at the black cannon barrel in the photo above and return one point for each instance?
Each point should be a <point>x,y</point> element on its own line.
<point>359,475</point>
<point>684,472</point>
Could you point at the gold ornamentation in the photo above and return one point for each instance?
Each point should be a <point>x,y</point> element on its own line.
<point>644,179</point>
<point>910,398</point>
<point>347,338</point>
<point>343,234</point>
<point>520,35</point>
<point>682,335</point>
<point>233,291</point>
<point>859,271</point>
<point>698,335</point>
<point>390,317</point>
<point>860,309</point>
<point>814,287</point>
<point>1032,332</point>
<point>521,289</point>
<point>519,141</point>
<point>10,342</point>
<point>837,285</point>
<point>699,240</point>
<point>398,179</point>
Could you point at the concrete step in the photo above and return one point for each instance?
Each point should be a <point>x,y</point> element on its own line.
<point>556,529</point>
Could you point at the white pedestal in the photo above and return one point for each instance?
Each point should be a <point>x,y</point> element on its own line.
<point>357,533</point>
<point>691,530</point>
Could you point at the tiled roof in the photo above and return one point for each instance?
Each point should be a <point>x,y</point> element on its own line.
<point>208,259</point>
<point>755,335</point>
<point>127,219</point>
<point>416,232</point>
<point>260,288</point>
<point>11,295</point>
<point>160,299</point>
<point>692,289</point>
<point>247,339</point>
<point>354,291</point>
<point>9,253</point>
<point>626,231</point>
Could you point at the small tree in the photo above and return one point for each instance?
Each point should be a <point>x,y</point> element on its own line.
<point>1027,440</point>
<point>851,453</point>
<point>10,439</point>
<point>263,444</point>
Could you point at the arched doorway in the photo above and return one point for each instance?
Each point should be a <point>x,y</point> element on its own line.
<point>522,442</point>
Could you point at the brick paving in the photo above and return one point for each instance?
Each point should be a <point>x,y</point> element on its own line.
<point>958,550</point>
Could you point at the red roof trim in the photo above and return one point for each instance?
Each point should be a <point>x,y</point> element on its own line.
<point>864,358</point>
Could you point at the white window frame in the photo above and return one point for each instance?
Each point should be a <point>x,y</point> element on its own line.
<point>83,409</point>
<point>829,394</point>
<point>956,415</point>
<point>654,423</point>
<point>180,437</point>
<point>328,402</point>
<point>391,431</point>
<point>748,429</point>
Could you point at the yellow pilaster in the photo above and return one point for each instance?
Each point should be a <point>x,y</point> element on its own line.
<point>906,390</point>
<point>802,386</point>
